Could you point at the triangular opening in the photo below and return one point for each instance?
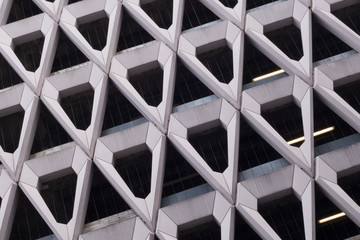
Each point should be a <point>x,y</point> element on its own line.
<point>196,14</point>
<point>205,228</point>
<point>28,223</point>
<point>73,1</point>
<point>349,16</point>
<point>50,0</point>
<point>255,151</point>
<point>219,61</point>
<point>288,40</point>
<point>149,83</point>
<point>250,4</point>
<point>339,228</point>
<point>285,216</point>
<point>135,170</point>
<point>286,119</point>
<point>350,93</point>
<point>131,34</point>
<point>229,3</point>
<point>118,109</point>
<point>49,133</point>
<point>95,32</point>
<point>160,11</point>
<point>211,144</point>
<point>351,185</point>
<point>10,130</point>
<point>187,86</point>
<point>242,230</point>
<point>325,44</point>
<point>104,201</point>
<point>8,77</point>
<point>326,119</point>
<point>59,196</point>
<point>21,9</point>
<point>257,66</point>
<point>179,175</point>
<point>79,106</point>
<point>29,53</point>
<point>67,54</point>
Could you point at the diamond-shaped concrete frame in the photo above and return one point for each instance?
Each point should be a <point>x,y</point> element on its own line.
<point>194,211</point>
<point>53,166</point>
<point>70,82</point>
<point>277,93</point>
<point>284,182</point>
<point>82,12</point>
<point>53,9</point>
<point>260,21</point>
<point>235,14</point>
<point>124,143</point>
<point>329,169</point>
<point>169,36</point>
<point>5,6</point>
<point>209,38</point>
<point>19,97</point>
<point>329,76</point>
<point>138,61</point>
<point>197,119</point>
<point>24,31</point>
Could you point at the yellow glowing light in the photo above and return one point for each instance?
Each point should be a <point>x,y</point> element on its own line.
<point>268,75</point>
<point>339,215</point>
<point>300,139</point>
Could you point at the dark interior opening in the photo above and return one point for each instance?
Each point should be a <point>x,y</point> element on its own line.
<point>29,53</point>
<point>250,4</point>
<point>21,9</point>
<point>95,32</point>
<point>196,14</point>
<point>10,130</point>
<point>350,16</point>
<point>79,107</point>
<point>212,147</point>
<point>160,11</point>
<point>8,77</point>
<point>351,185</point>
<point>350,93</point>
<point>149,84</point>
<point>59,196</point>
<point>135,170</point>
<point>242,230</point>
<point>229,3</point>
<point>206,231</point>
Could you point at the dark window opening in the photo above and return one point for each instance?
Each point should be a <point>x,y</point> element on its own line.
<point>29,53</point>
<point>242,230</point>
<point>350,93</point>
<point>135,170</point>
<point>95,32</point>
<point>149,84</point>
<point>250,4</point>
<point>10,130</point>
<point>288,40</point>
<point>340,228</point>
<point>187,86</point>
<point>209,230</point>
<point>196,14</point>
<point>49,133</point>
<point>212,147</point>
<point>21,9</point>
<point>325,118</point>
<point>79,107</point>
<point>73,1</point>
<point>350,17</point>
<point>325,44</point>
<point>118,109</point>
<point>351,185</point>
<point>253,149</point>
<point>50,1</point>
<point>8,77</point>
<point>104,201</point>
<point>219,62</point>
<point>28,224</point>
<point>59,196</point>
<point>160,11</point>
<point>285,216</point>
<point>179,174</point>
<point>256,64</point>
<point>131,34</point>
<point>229,3</point>
<point>287,121</point>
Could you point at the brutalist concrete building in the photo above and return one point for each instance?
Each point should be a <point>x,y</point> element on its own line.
<point>179,119</point>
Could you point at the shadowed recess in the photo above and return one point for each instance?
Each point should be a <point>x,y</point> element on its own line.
<point>209,230</point>
<point>10,130</point>
<point>8,77</point>
<point>242,230</point>
<point>196,14</point>
<point>29,53</point>
<point>250,4</point>
<point>350,93</point>
<point>351,185</point>
<point>349,16</point>
<point>21,9</point>
<point>95,32</point>
<point>160,11</point>
<point>229,3</point>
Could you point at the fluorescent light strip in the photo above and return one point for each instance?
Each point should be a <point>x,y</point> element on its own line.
<point>268,75</point>
<point>339,215</point>
<point>300,139</point>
